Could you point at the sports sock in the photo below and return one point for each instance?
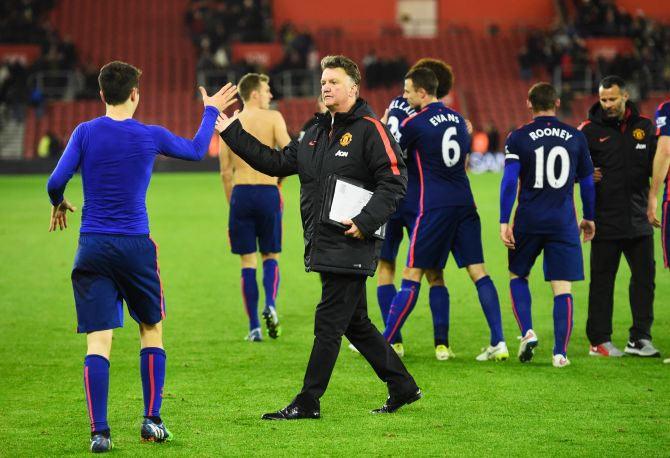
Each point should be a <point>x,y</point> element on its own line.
<point>96,387</point>
<point>270,281</point>
<point>438,298</point>
<point>401,307</point>
<point>152,370</point>
<point>385,295</point>
<point>521,303</point>
<point>488,298</point>
<point>250,296</point>
<point>562,323</point>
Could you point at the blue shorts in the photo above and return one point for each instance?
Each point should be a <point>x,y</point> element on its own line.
<point>255,214</point>
<point>562,255</point>
<point>401,219</point>
<point>110,269</point>
<point>443,230</point>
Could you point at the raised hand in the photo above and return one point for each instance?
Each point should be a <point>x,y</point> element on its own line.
<point>59,215</point>
<point>223,121</point>
<point>222,99</point>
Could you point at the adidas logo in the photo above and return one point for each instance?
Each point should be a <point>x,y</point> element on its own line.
<point>341,153</point>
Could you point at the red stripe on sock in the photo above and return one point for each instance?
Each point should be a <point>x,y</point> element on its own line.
<point>402,314</point>
<point>88,396</point>
<point>152,387</point>
<point>516,315</point>
<point>569,331</point>
<point>275,284</point>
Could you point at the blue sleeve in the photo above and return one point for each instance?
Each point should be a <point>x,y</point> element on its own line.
<point>67,165</point>
<point>406,135</point>
<point>172,145</point>
<point>508,189</point>
<point>584,163</point>
<point>663,119</point>
<point>587,190</point>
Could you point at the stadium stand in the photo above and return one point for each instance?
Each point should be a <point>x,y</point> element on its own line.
<point>168,38</point>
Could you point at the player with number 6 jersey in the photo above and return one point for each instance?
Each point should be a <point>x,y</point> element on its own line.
<point>437,142</point>
<point>403,220</point>
<point>546,156</point>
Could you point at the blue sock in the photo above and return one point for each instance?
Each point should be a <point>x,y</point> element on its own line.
<point>521,303</point>
<point>488,298</point>
<point>385,295</point>
<point>438,298</point>
<point>152,370</point>
<point>401,307</point>
<point>250,296</point>
<point>562,323</point>
<point>270,281</point>
<point>96,387</point>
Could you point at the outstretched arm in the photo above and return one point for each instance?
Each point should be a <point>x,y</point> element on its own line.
<point>196,148</point>
<point>261,157</point>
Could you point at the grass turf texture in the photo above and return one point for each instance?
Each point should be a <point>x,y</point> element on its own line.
<point>218,385</point>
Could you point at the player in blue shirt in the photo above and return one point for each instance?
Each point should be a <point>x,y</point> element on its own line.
<point>544,159</point>
<point>116,259</point>
<point>403,219</point>
<point>437,140</point>
<point>660,174</point>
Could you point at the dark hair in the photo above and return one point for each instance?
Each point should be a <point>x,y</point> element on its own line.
<point>423,78</point>
<point>117,79</point>
<point>251,82</point>
<point>443,72</point>
<point>542,96</point>
<point>346,64</point>
<point>613,80</point>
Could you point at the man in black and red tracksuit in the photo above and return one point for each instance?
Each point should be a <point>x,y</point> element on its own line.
<point>347,141</point>
<point>622,145</point>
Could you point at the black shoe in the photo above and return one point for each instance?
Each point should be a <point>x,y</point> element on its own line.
<point>101,443</point>
<point>293,411</point>
<point>154,432</point>
<point>391,405</point>
<point>642,347</point>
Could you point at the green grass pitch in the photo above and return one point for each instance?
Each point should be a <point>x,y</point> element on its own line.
<point>218,385</point>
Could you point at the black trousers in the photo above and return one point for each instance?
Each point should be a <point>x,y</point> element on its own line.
<point>343,311</point>
<point>605,257</point>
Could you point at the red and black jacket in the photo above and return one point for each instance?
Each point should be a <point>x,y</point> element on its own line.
<point>356,146</point>
<point>624,150</point>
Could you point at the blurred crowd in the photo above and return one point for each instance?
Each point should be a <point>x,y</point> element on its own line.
<point>214,26</point>
<point>564,47</point>
<point>26,22</point>
<point>380,72</point>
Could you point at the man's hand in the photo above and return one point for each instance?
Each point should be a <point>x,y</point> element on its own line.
<point>353,231</point>
<point>384,119</point>
<point>59,215</point>
<point>597,175</point>
<point>223,121</point>
<point>507,236</point>
<point>588,228</point>
<point>221,100</point>
<point>652,205</point>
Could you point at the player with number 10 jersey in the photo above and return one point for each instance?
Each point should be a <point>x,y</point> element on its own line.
<point>544,158</point>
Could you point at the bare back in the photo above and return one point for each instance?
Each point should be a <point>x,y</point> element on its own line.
<point>269,127</point>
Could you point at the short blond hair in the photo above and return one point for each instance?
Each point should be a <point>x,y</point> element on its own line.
<point>251,82</point>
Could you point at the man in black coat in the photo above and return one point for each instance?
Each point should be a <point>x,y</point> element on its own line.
<point>349,142</point>
<point>622,145</point>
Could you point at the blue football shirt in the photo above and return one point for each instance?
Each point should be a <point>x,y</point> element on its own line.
<point>552,156</point>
